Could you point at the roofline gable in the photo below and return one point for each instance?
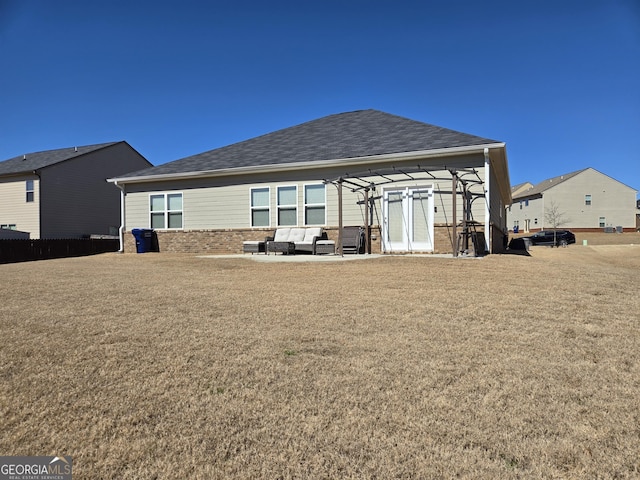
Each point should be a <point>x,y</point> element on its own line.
<point>43,158</point>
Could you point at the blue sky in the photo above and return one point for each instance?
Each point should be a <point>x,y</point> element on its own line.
<point>558,81</point>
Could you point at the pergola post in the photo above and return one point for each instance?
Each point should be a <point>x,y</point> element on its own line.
<point>367,231</point>
<point>340,217</point>
<point>454,195</point>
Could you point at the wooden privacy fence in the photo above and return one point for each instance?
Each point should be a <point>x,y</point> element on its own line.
<point>19,250</point>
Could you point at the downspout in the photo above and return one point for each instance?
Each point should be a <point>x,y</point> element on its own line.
<point>37,174</point>
<point>121,229</point>
<point>487,203</point>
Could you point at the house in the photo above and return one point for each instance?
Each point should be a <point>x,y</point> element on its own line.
<point>522,187</point>
<point>63,193</point>
<point>585,200</point>
<point>391,175</point>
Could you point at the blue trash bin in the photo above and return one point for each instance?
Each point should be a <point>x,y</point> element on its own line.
<point>144,239</point>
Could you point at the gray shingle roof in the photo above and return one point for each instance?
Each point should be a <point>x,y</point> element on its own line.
<point>37,160</point>
<point>547,184</point>
<point>345,135</point>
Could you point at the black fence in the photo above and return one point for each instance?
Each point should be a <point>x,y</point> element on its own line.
<point>16,250</point>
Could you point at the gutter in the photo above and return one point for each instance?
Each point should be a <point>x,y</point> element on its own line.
<point>342,162</point>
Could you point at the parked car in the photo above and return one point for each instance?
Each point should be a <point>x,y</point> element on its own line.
<point>546,237</point>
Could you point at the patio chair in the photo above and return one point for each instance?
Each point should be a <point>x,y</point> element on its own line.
<point>352,240</point>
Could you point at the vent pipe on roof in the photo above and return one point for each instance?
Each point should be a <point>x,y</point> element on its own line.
<point>24,157</point>
<point>75,149</point>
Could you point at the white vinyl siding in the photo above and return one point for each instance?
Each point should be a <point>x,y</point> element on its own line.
<point>14,210</point>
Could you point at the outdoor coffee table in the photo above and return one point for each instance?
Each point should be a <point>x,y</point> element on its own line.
<point>284,247</point>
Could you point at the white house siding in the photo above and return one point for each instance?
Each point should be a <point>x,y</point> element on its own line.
<point>526,214</point>
<point>14,209</point>
<point>76,198</point>
<point>610,199</point>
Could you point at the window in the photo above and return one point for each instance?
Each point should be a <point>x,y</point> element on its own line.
<point>8,226</point>
<point>30,191</point>
<point>287,205</point>
<point>535,221</point>
<point>602,222</point>
<point>166,210</point>
<point>260,213</point>
<point>520,205</point>
<point>587,199</point>
<point>314,205</point>
<point>526,203</point>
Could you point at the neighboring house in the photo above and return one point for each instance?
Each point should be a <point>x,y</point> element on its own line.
<point>64,193</point>
<point>366,168</point>
<point>586,199</point>
<point>522,187</point>
<point>11,234</point>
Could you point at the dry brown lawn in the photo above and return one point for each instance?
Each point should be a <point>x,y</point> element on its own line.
<point>173,366</point>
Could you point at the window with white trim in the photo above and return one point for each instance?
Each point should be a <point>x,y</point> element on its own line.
<point>315,204</point>
<point>260,207</point>
<point>8,226</point>
<point>287,200</point>
<point>165,210</point>
<point>602,222</point>
<point>587,199</point>
<point>30,191</point>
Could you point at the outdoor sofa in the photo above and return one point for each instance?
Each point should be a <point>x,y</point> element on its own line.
<point>294,240</point>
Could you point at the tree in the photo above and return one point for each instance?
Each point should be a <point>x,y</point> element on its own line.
<point>554,217</point>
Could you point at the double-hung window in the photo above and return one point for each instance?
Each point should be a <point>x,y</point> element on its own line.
<point>587,199</point>
<point>315,205</point>
<point>165,210</point>
<point>601,222</point>
<point>260,212</point>
<point>30,190</point>
<point>287,206</point>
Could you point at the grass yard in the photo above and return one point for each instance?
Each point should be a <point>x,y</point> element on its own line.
<point>172,366</point>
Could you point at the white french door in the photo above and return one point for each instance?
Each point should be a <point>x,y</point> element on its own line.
<point>408,219</point>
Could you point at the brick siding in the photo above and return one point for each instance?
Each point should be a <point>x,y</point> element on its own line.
<point>226,242</point>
